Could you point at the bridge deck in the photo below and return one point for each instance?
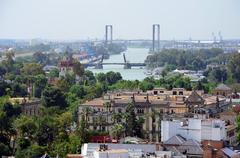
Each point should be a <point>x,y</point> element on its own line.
<point>131,64</point>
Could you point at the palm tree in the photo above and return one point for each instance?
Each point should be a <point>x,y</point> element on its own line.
<point>8,63</point>
<point>101,121</point>
<point>9,56</point>
<point>107,105</point>
<point>86,112</point>
<point>117,117</point>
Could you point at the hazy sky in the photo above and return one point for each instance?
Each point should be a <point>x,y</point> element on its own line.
<point>131,19</point>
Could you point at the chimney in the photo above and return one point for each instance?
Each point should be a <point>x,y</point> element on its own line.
<point>147,100</point>
<point>133,98</point>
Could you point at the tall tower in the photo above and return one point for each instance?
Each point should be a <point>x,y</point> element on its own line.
<point>107,38</point>
<point>156,27</point>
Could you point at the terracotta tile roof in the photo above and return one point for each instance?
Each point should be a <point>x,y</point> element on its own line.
<point>212,99</point>
<point>74,156</point>
<point>228,113</point>
<point>195,97</point>
<point>223,87</point>
<point>95,102</point>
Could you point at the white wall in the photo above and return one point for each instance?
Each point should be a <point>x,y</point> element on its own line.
<point>89,148</point>
<point>169,129</point>
<point>196,129</point>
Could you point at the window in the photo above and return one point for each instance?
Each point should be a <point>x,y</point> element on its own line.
<point>153,119</point>
<point>161,111</point>
<point>161,92</point>
<point>155,92</point>
<point>174,93</point>
<point>180,93</point>
<point>119,110</point>
<point>140,111</point>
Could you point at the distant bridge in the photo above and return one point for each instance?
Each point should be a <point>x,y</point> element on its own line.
<point>131,64</point>
<point>126,64</point>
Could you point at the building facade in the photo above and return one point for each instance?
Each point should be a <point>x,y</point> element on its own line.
<point>65,66</point>
<point>101,113</point>
<point>194,128</point>
<point>154,105</point>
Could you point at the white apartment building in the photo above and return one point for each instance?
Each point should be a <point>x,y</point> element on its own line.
<point>194,128</point>
<point>109,150</point>
<point>116,153</point>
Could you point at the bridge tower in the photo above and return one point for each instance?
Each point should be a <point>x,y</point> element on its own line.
<point>156,27</point>
<point>127,65</point>
<point>108,29</point>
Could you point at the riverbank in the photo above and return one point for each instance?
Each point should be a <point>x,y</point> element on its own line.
<point>134,55</point>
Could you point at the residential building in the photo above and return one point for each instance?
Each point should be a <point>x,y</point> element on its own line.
<point>194,128</point>
<point>152,105</point>
<point>30,107</point>
<point>230,118</point>
<point>109,150</point>
<point>223,90</point>
<point>65,66</point>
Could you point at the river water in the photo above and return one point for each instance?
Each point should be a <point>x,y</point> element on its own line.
<point>134,55</point>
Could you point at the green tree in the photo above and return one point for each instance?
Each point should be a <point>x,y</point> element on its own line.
<point>40,58</point>
<point>113,77</point>
<point>78,90</point>
<point>53,96</point>
<point>117,131</point>
<point>47,131</point>
<point>8,113</point>
<point>164,73</point>
<point>64,123</point>
<point>218,74</point>
<point>131,120</point>
<point>54,73</point>
<point>32,69</point>
<point>101,77</point>
<point>40,82</point>
<point>83,129</point>
<point>63,85</point>
<point>234,66</point>
<point>78,68</point>
<point>9,61</point>
<point>19,90</point>
<point>25,126</point>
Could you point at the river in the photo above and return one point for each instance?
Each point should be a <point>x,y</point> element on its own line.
<point>134,55</point>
